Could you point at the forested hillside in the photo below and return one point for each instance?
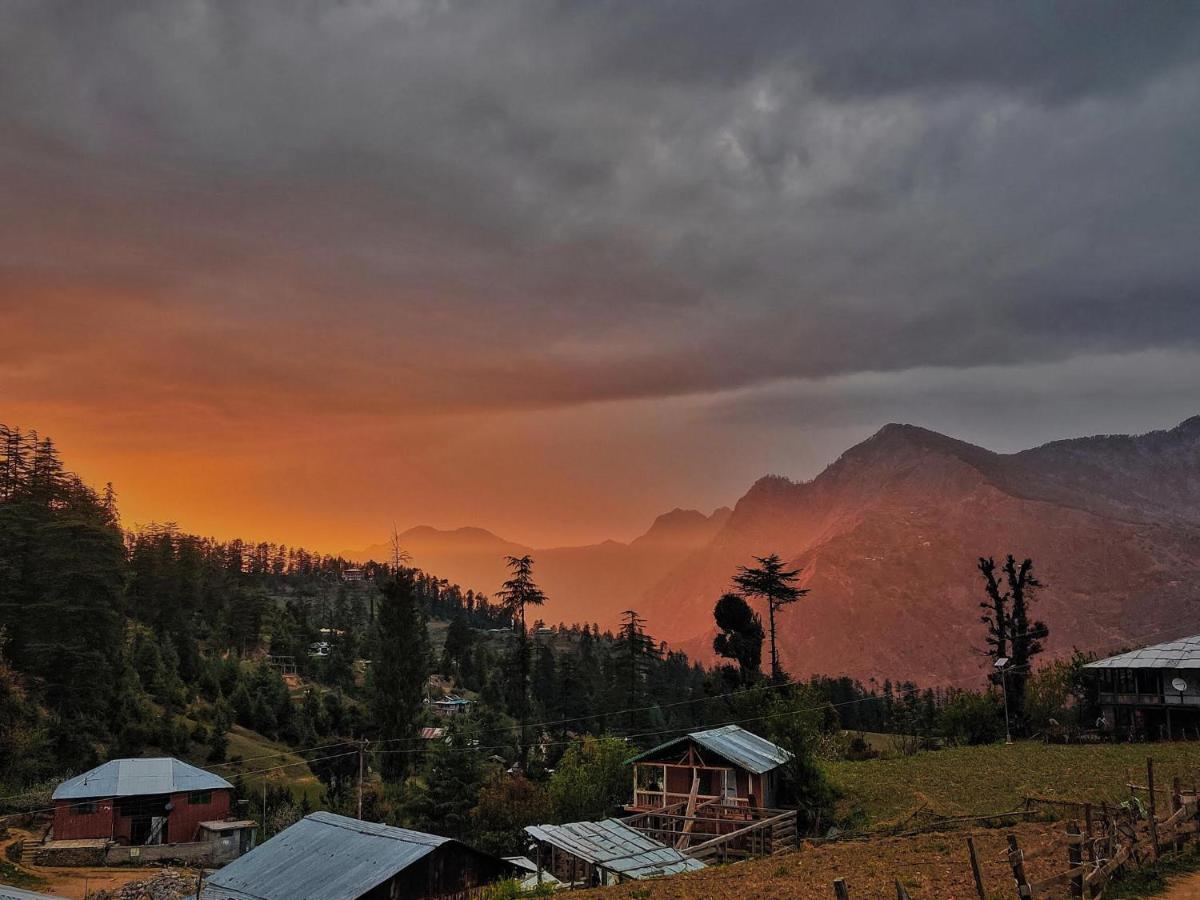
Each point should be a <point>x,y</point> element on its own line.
<point>122,643</point>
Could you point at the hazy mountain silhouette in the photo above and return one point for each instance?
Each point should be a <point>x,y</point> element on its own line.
<point>591,583</point>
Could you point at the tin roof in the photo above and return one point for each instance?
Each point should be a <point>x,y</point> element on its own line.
<point>136,777</point>
<point>12,893</point>
<point>615,846</point>
<point>1183,653</point>
<point>734,743</point>
<point>322,857</point>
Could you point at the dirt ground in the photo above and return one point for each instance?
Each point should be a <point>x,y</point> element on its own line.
<point>1186,887</point>
<point>928,865</point>
<point>77,883</point>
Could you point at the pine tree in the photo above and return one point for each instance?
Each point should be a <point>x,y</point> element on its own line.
<point>770,581</point>
<point>518,592</point>
<point>399,671</point>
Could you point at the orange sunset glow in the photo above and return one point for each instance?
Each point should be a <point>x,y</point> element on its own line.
<point>263,311</point>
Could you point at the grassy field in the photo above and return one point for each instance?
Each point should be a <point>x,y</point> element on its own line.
<point>258,753</point>
<point>995,778</point>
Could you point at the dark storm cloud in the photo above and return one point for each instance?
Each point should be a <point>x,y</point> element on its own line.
<point>553,203</point>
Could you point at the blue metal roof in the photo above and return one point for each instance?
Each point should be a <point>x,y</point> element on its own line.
<point>13,893</point>
<point>324,856</point>
<point>733,743</point>
<point>1183,653</point>
<point>614,846</point>
<point>136,777</point>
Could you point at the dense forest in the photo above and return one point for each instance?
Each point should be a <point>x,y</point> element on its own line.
<point>117,643</point>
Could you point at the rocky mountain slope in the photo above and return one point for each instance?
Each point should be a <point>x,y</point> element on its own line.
<point>888,536</point>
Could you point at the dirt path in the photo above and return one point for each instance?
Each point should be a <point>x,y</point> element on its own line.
<point>1186,887</point>
<point>76,883</point>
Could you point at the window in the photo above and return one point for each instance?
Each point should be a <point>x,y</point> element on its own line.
<point>86,808</point>
<point>199,798</point>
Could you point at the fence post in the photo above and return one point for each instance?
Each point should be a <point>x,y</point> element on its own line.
<point>1153,819</point>
<point>1088,826</point>
<point>1176,805</point>
<point>975,869</point>
<point>1017,860</point>
<point>1075,859</point>
<point>839,889</point>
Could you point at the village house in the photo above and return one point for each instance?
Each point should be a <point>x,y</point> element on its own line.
<point>729,765</point>
<point>147,803</point>
<point>326,856</point>
<point>1150,692</point>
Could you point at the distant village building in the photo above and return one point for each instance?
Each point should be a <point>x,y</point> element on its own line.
<point>326,856</point>
<point>727,765</point>
<point>143,803</point>
<point>1153,691</point>
<point>601,853</point>
<point>451,705</point>
<point>352,574</point>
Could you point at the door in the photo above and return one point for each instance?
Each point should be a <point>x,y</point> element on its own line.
<point>729,794</point>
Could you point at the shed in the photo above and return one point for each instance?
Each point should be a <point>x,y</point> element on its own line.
<point>728,765</point>
<point>607,852</point>
<point>1151,691</point>
<point>139,802</point>
<point>325,856</point>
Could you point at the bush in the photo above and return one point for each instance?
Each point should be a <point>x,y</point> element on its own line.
<point>973,718</point>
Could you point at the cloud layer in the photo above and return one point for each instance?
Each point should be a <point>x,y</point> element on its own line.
<point>409,219</point>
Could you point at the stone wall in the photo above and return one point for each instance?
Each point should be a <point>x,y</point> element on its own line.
<point>210,853</point>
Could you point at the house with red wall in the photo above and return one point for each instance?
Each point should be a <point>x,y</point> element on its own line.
<point>141,802</point>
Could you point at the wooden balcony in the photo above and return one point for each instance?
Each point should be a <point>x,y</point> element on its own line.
<point>1108,698</point>
<point>662,799</point>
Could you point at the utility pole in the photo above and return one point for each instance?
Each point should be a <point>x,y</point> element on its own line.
<point>362,752</point>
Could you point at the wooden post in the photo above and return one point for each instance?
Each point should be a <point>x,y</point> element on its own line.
<point>975,869</point>
<point>839,889</point>
<point>1153,819</point>
<point>1176,805</point>
<point>1075,859</point>
<point>1017,860</point>
<point>1087,824</point>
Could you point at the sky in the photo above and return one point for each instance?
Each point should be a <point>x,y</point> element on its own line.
<point>295,271</point>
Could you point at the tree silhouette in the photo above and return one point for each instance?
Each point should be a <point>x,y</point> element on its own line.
<point>770,581</point>
<point>515,594</point>
<point>740,637</point>
<point>1010,631</point>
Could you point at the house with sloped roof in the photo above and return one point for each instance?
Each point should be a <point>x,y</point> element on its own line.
<point>325,856</point>
<point>142,802</point>
<point>1152,691</point>
<point>727,766</point>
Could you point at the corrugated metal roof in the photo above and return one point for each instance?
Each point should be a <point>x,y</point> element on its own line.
<point>135,777</point>
<point>734,743</point>
<point>324,856</point>
<point>615,846</point>
<point>13,893</point>
<point>1183,653</point>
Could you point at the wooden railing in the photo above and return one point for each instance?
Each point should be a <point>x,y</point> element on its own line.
<point>659,799</point>
<point>716,831</point>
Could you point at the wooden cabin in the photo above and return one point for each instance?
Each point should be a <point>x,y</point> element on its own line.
<point>727,766</point>
<point>1152,692</point>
